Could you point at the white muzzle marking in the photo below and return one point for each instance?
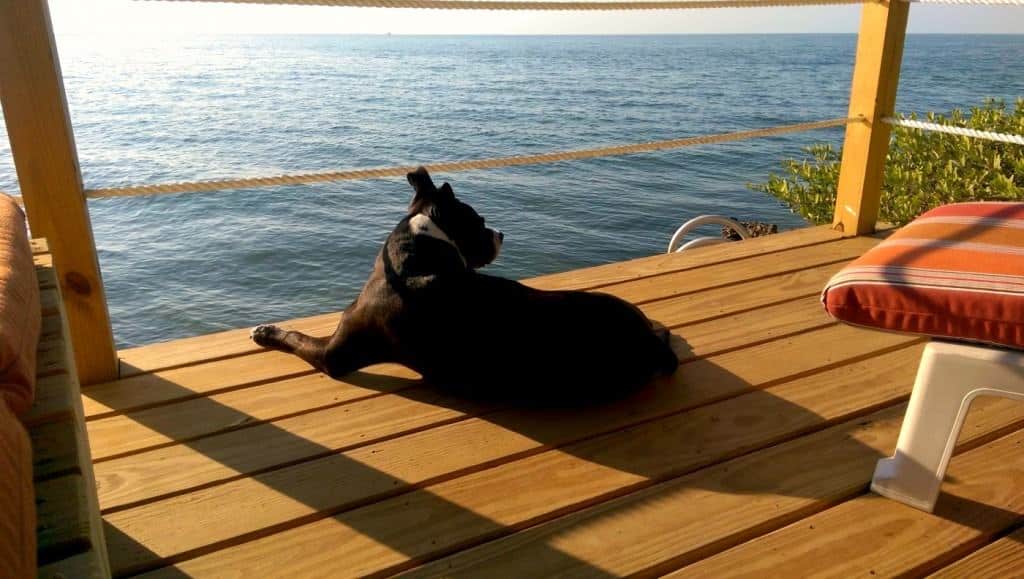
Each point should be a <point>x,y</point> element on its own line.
<point>497,244</point>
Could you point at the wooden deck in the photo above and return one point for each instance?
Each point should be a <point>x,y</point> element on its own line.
<point>214,458</point>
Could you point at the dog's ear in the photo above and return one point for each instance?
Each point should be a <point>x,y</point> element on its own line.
<point>421,182</point>
<point>445,192</point>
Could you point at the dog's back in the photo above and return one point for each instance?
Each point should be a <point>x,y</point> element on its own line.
<point>485,333</point>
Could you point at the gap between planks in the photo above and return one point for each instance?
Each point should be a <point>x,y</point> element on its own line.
<point>1001,558</point>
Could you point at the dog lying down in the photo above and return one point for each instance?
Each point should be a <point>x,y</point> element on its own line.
<point>426,306</point>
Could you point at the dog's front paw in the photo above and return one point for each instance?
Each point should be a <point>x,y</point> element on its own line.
<point>266,335</point>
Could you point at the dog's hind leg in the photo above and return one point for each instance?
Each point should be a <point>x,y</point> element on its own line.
<point>341,354</point>
<point>351,351</point>
<point>310,349</point>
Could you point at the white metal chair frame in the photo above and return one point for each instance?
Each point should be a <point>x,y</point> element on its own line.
<point>677,237</point>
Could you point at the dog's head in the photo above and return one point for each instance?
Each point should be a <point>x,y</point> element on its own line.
<point>436,212</point>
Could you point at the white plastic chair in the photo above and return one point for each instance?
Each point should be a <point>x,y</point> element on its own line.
<point>950,377</point>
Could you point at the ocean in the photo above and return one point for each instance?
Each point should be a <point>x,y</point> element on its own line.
<point>171,109</point>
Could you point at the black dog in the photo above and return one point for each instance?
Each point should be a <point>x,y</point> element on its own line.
<point>425,306</point>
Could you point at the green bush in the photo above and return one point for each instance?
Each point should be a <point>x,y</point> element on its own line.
<point>923,169</point>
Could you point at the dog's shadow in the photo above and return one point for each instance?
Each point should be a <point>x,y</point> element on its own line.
<point>705,434</point>
<point>660,431</point>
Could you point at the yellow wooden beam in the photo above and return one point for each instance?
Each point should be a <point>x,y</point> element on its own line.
<point>876,76</point>
<point>43,146</point>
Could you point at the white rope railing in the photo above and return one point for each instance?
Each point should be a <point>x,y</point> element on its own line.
<point>453,166</point>
<point>546,5</point>
<point>951,130</point>
<point>562,5</point>
<point>975,2</point>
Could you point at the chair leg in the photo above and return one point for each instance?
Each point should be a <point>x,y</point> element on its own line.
<point>949,378</point>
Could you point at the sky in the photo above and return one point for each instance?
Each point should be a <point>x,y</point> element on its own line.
<point>107,17</point>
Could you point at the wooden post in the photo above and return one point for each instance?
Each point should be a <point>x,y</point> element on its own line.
<point>876,76</point>
<point>43,146</point>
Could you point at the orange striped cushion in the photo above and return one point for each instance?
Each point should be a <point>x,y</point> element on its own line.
<point>955,272</point>
<point>19,309</point>
<point>17,499</point>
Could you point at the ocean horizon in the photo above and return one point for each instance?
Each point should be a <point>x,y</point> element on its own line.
<point>153,110</point>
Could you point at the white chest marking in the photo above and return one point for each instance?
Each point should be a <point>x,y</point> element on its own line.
<point>420,224</point>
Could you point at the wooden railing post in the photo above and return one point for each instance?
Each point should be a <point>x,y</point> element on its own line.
<point>43,146</point>
<point>876,76</point>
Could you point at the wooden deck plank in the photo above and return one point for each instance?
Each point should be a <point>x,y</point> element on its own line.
<point>49,298</point>
<point>87,565</point>
<point>69,531</point>
<point>162,425</point>
<point>386,536</point>
<point>192,419</point>
<point>225,456</point>
<point>44,271</point>
<point>622,271</point>
<point>55,449</point>
<point>51,326</point>
<point>170,470</point>
<point>43,262</point>
<point>211,347</point>
<point>58,444</point>
<point>750,327</point>
<point>56,393</point>
<point>876,536</point>
<point>54,400</point>
<point>189,381</point>
<point>686,519</point>
<point>39,246</point>
<point>283,497</point>
<point>63,527</point>
<point>748,295</point>
<point>147,390</point>
<point>166,355</point>
<point>687,282</point>
<point>1003,558</point>
<point>51,358</point>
